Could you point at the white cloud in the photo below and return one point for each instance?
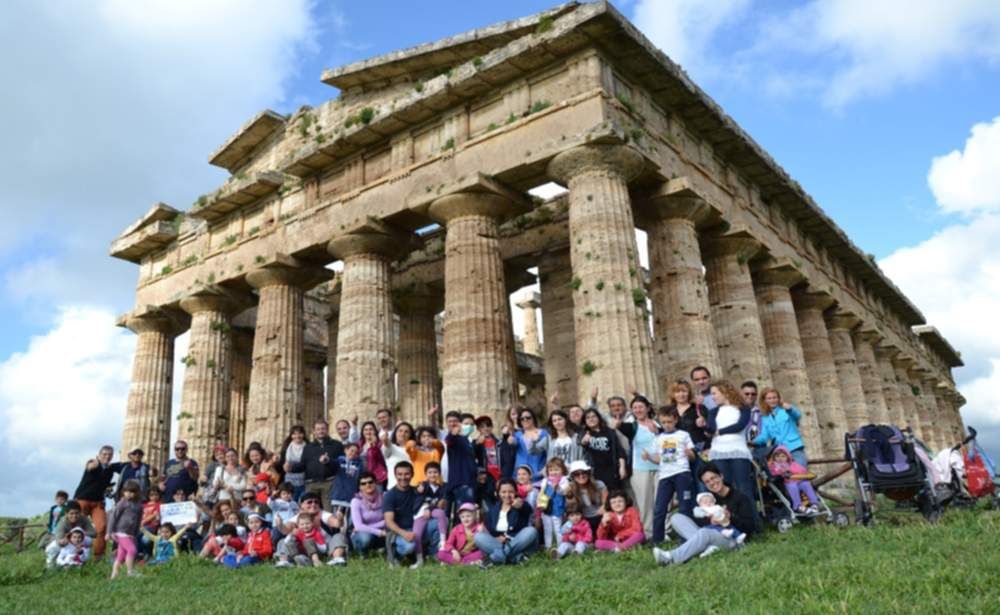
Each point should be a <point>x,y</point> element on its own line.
<point>685,29</point>
<point>968,181</point>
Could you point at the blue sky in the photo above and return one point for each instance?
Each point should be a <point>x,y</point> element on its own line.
<point>116,107</point>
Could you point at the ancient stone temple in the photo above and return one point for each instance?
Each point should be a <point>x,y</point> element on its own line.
<point>415,178</point>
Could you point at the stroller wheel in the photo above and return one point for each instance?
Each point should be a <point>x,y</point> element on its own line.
<point>784,524</point>
<point>933,516</point>
<point>841,520</point>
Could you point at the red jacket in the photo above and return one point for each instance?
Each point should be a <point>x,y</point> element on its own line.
<point>580,532</point>
<point>259,544</point>
<point>316,534</point>
<point>620,528</point>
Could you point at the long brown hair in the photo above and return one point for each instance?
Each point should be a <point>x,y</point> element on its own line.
<point>728,391</point>
<point>764,408</point>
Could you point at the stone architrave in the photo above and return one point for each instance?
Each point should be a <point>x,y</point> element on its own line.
<point>239,386</point>
<point>417,360</point>
<point>204,417</point>
<point>332,330</point>
<point>555,274</point>
<point>890,386</point>
<point>277,381</point>
<point>478,365</point>
<point>909,416</point>
<point>821,368</point>
<point>614,348</point>
<point>871,377</point>
<point>366,363</point>
<point>772,283</point>
<point>147,416</point>
<point>840,324</point>
<point>682,321</point>
<point>738,331</point>
<point>529,307</point>
<point>314,404</point>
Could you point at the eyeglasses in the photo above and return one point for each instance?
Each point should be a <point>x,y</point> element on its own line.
<point>366,482</point>
<point>180,448</point>
<point>247,498</point>
<point>527,417</point>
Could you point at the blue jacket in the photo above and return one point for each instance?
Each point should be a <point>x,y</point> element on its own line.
<point>517,519</point>
<point>461,463</point>
<point>345,482</point>
<point>781,426</point>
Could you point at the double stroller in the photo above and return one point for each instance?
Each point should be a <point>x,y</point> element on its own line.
<point>885,461</point>
<point>968,472</point>
<point>776,505</point>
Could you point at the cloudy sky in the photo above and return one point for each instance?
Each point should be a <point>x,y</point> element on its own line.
<point>887,112</point>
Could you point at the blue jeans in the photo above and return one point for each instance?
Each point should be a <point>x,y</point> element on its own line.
<point>799,455</point>
<point>516,547</point>
<point>665,489</point>
<point>696,539</point>
<point>431,538</point>
<point>229,561</point>
<point>739,474</point>
<point>363,541</point>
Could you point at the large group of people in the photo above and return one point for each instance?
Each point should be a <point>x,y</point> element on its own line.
<point>468,493</point>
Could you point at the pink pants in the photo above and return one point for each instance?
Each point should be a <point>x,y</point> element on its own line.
<point>610,545</point>
<point>126,547</point>
<point>445,557</point>
<point>419,523</point>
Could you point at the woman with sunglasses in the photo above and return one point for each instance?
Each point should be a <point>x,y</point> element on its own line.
<point>507,536</point>
<point>588,493</point>
<point>366,515</point>
<point>531,441</point>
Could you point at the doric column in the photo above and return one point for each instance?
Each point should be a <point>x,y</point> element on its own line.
<point>147,416</point>
<point>890,386</point>
<point>926,405</point>
<point>735,317</point>
<point>314,402</point>
<point>277,381</point>
<point>332,329</point>
<point>614,348</point>
<point>203,420</point>
<point>682,323</point>
<point>239,386</point>
<point>417,359</point>
<point>554,276</point>
<point>871,378</point>
<point>937,427</point>
<point>908,399</point>
<point>365,353</point>
<point>821,368</point>
<point>852,393</point>
<point>529,307</point>
<point>951,400</point>
<point>477,369</point>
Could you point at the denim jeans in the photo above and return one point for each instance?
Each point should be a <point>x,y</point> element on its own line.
<point>430,541</point>
<point>696,539</point>
<point>521,544</point>
<point>363,541</point>
<point>681,485</point>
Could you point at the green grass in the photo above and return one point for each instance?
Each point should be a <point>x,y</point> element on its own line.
<point>900,566</point>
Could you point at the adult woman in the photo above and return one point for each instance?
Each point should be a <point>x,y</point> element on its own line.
<point>698,539</point>
<point>780,424</point>
<point>371,453</point>
<point>255,458</point>
<point>693,419</point>
<point>532,443</point>
<point>603,451</point>
<point>394,449</point>
<point>291,454</point>
<point>366,515</point>
<point>230,479</point>
<point>589,493</point>
<point>507,536</point>
<point>218,460</point>
<point>211,520</point>
<point>728,424</point>
<point>642,436</point>
<point>564,443</point>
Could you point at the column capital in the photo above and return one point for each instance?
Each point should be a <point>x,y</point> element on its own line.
<point>777,272</point>
<point>841,319</point>
<point>154,319</point>
<point>418,298</point>
<point>284,270</point>
<point>809,299</point>
<point>375,237</point>
<point>886,351</point>
<point>462,204</point>
<point>516,277</point>
<point>532,301</point>
<point>600,158</point>
<point>214,299</point>
<point>868,333</point>
<point>680,199</point>
<point>902,361</point>
<point>740,244</point>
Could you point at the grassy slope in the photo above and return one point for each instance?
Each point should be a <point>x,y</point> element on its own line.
<point>901,566</point>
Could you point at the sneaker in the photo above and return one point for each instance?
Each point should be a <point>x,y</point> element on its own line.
<point>134,574</point>
<point>283,564</point>
<point>486,564</point>
<point>662,556</point>
<point>417,564</point>
<point>813,510</point>
<point>708,551</point>
<point>741,539</point>
<point>337,561</point>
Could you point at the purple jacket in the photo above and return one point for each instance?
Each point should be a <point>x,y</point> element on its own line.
<point>367,515</point>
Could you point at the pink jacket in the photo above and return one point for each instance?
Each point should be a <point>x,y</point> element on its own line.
<point>580,532</point>
<point>456,539</point>
<point>780,469</point>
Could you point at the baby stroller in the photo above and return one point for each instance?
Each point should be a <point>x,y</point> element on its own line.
<point>885,461</point>
<point>980,472</point>
<point>780,511</point>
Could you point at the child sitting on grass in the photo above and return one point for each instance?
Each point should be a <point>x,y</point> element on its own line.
<point>76,552</point>
<point>796,478</point>
<point>576,534</point>
<point>164,542</point>
<point>620,528</point>
<point>460,548</point>
<point>123,526</point>
<point>307,544</point>
<point>258,547</point>
<point>433,506</point>
<point>229,541</point>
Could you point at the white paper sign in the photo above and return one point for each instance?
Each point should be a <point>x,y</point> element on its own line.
<point>178,513</point>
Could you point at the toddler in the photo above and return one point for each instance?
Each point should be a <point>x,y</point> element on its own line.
<point>717,516</point>
<point>433,506</point>
<point>284,508</point>
<point>307,544</point>
<point>258,547</point>
<point>76,552</point>
<point>620,528</point>
<point>575,534</point>
<point>229,542</point>
<point>123,526</point>
<point>550,503</point>
<point>164,542</point>
<point>460,548</point>
<point>796,478</point>
<point>525,488</point>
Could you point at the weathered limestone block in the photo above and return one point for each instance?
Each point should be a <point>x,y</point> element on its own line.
<point>852,394</point>
<point>927,404</point>
<point>478,368</point>
<point>890,386</point>
<point>241,364</point>
<point>147,416</point>
<point>555,274</point>
<point>613,344</point>
<point>682,323</point>
<point>871,378</point>
<point>821,368</point>
<point>786,357</point>
<point>908,399</point>
<point>735,316</point>
<point>314,404</point>
<point>365,355</point>
<point>417,360</point>
<point>530,307</point>
<point>333,329</point>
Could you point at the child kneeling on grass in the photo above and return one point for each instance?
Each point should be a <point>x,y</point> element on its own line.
<point>76,552</point>
<point>460,548</point>
<point>164,542</point>
<point>576,535</point>
<point>620,528</point>
<point>258,547</point>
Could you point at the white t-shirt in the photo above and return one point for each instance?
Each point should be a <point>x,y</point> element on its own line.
<point>672,449</point>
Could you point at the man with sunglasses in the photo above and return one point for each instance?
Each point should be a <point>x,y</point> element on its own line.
<point>179,473</point>
<point>331,524</point>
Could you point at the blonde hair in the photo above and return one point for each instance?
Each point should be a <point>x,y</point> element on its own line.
<point>681,385</point>
<point>762,400</point>
<point>728,391</point>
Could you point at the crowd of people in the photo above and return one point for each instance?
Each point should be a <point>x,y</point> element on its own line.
<point>467,493</point>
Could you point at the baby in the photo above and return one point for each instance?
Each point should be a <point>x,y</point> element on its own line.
<point>717,516</point>
<point>76,552</point>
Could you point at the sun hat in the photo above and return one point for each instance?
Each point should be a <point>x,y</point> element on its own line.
<point>578,466</point>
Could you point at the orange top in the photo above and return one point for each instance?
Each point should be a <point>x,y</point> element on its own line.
<point>420,458</point>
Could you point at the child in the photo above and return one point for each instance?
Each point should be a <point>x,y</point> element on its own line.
<point>576,534</point>
<point>251,505</point>
<point>345,482</point>
<point>229,542</point>
<point>76,552</point>
<point>428,450</point>
<point>347,431</point>
<point>123,526</point>
<point>551,501</point>
<point>262,482</point>
<point>235,519</point>
<point>284,508</point>
<point>674,453</point>
<point>56,512</point>
<point>525,488</point>
<point>433,505</point>
<point>491,452</point>
<point>460,548</point>
<point>150,520</point>
<point>620,528</point>
<point>308,543</point>
<point>796,476</point>
<point>258,547</point>
<point>164,542</point>
<point>718,518</point>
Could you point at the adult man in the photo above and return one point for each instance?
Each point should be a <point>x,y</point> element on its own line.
<point>384,421</point>
<point>94,483</point>
<point>179,473</point>
<point>331,524</point>
<point>460,485</point>
<point>748,391</point>
<point>72,519</point>
<point>398,508</point>
<point>702,380</point>
<point>135,470</point>
<point>319,462</point>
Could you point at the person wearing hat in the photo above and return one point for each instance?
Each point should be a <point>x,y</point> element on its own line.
<point>256,549</point>
<point>587,491</point>
<point>332,525</point>
<point>460,548</point>
<point>76,552</point>
<point>135,470</point>
<point>72,519</point>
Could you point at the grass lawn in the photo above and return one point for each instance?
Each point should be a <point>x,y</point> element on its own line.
<point>901,565</point>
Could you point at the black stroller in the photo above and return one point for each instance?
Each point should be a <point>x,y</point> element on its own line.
<point>885,461</point>
<point>775,504</point>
